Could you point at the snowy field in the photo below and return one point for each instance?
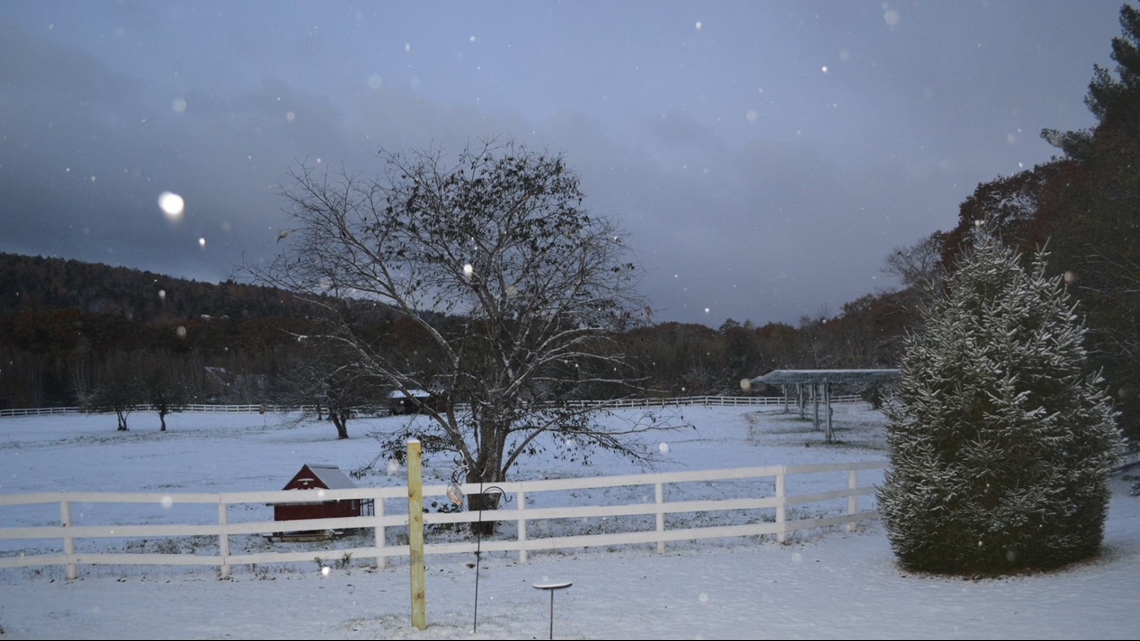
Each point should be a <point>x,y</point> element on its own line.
<point>825,584</point>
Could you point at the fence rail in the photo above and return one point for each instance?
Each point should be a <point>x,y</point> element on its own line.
<point>1129,458</point>
<point>717,401</point>
<point>195,407</point>
<point>68,531</point>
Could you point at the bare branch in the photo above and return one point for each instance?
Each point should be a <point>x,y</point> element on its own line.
<point>503,287</point>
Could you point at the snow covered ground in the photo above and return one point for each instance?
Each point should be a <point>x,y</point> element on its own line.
<point>824,585</point>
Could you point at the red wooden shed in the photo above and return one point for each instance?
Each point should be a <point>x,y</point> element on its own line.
<point>320,477</point>
<point>411,402</point>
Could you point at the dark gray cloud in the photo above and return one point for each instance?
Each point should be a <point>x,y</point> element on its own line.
<point>763,163</point>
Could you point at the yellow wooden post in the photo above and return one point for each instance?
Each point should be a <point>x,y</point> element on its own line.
<point>416,534</point>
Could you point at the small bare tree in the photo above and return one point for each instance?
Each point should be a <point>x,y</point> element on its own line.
<point>118,389</point>
<point>919,266</point>
<point>163,386</point>
<point>512,288</point>
<point>328,378</point>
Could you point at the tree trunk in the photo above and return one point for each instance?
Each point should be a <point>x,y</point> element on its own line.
<point>162,419</point>
<point>122,418</point>
<point>340,420</point>
<point>486,500</point>
<point>483,502</point>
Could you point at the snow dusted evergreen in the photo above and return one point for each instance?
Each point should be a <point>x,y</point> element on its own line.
<point>1001,441</point>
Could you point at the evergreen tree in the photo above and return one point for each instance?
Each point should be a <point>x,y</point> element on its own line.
<point>1096,226</point>
<point>1001,441</point>
<point>1114,101</point>
<point>1086,203</point>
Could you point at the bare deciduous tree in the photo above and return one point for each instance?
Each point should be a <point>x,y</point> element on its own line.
<point>119,389</point>
<point>163,386</point>
<point>328,378</point>
<point>919,266</point>
<point>513,287</point>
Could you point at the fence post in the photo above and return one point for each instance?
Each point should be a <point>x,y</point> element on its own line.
<point>522,526</point>
<point>381,534</point>
<point>781,506</point>
<point>416,534</point>
<point>68,542</point>
<point>223,538</point>
<point>852,501</point>
<point>659,495</point>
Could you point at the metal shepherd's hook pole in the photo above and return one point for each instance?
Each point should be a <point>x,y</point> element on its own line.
<point>479,543</point>
<point>455,495</point>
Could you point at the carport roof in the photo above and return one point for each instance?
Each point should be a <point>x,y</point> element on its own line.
<point>784,376</point>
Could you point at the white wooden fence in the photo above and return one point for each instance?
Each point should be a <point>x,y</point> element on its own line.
<point>37,411</point>
<point>615,404</point>
<point>779,526</point>
<point>196,407</point>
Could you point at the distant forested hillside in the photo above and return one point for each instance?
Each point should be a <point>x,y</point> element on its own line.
<point>70,329</point>
<point>37,284</point>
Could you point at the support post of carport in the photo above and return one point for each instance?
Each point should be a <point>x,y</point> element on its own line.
<point>815,405</point>
<point>827,408</point>
<point>800,391</point>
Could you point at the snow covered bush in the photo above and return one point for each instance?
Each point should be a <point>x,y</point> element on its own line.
<point>1001,441</point>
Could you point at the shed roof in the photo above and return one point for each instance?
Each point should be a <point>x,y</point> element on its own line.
<point>332,477</point>
<point>413,393</point>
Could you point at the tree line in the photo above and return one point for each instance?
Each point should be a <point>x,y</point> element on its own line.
<point>64,325</point>
<point>234,343</point>
<point>1083,207</point>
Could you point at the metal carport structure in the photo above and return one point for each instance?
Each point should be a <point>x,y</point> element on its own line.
<point>820,381</point>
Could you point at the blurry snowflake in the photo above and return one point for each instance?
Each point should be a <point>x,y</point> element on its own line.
<point>171,204</point>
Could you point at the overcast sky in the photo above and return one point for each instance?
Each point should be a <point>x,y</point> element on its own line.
<point>764,156</point>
